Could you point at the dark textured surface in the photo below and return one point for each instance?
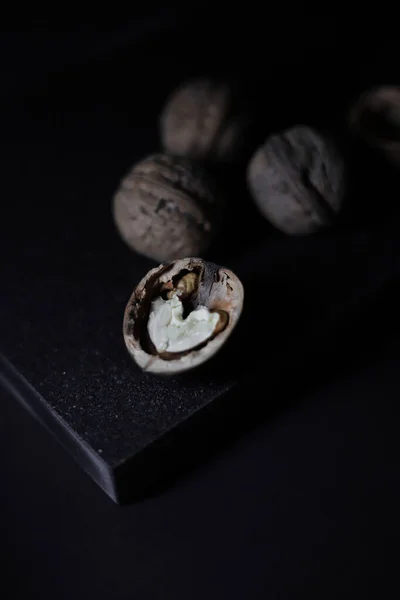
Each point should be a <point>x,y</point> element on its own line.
<point>305,506</point>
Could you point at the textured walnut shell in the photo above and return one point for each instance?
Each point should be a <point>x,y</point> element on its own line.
<point>375,118</point>
<point>297,179</point>
<point>165,208</point>
<point>219,290</point>
<point>200,120</point>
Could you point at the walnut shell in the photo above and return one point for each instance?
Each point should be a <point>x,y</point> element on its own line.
<point>166,208</point>
<point>201,120</point>
<point>297,179</point>
<point>218,289</point>
<point>375,118</point>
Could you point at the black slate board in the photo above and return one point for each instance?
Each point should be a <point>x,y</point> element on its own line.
<point>66,278</point>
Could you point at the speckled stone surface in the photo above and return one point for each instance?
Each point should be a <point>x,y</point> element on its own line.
<point>66,277</point>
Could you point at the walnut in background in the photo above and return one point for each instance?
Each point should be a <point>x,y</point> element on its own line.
<point>203,120</point>
<point>166,208</point>
<point>297,180</point>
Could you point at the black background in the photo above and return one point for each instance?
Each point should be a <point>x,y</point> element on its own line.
<point>304,504</point>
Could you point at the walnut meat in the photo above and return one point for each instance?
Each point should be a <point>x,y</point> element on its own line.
<point>203,120</point>
<point>181,314</point>
<point>375,118</point>
<point>297,179</point>
<point>166,208</point>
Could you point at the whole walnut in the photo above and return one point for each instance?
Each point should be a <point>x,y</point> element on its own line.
<point>165,208</point>
<point>375,118</point>
<point>203,120</point>
<point>297,179</point>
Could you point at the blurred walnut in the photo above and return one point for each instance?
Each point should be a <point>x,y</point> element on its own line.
<point>297,180</point>
<point>165,208</point>
<point>375,118</point>
<point>202,120</point>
